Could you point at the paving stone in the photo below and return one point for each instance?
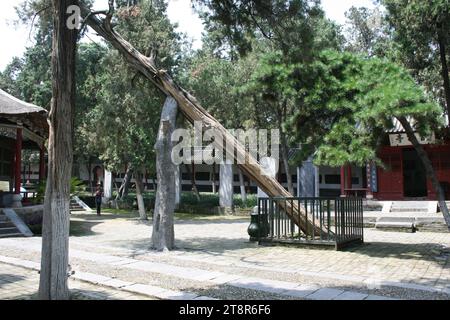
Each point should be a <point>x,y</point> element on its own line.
<point>301,291</point>
<point>225,278</point>
<point>325,294</point>
<point>144,289</point>
<point>115,283</point>
<point>177,295</point>
<point>263,285</point>
<point>375,297</point>
<point>90,277</point>
<point>350,295</point>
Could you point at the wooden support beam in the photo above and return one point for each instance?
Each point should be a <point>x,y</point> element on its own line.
<point>18,162</point>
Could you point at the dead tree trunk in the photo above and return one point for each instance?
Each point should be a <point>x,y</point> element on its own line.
<point>55,229</point>
<point>140,196</point>
<point>193,111</point>
<point>428,167</point>
<point>163,236</point>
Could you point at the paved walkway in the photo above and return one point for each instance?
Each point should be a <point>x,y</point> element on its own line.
<point>17,283</point>
<point>215,260</point>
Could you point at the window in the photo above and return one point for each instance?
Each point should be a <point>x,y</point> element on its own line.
<point>332,179</point>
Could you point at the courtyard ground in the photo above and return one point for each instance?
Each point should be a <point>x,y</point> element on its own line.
<point>111,256</point>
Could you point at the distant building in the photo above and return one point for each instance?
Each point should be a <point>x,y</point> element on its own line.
<point>22,126</point>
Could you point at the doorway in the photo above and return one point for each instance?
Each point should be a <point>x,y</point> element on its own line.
<point>414,175</point>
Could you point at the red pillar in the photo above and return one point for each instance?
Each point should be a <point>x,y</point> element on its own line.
<point>42,164</point>
<point>342,181</point>
<point>18,162</point>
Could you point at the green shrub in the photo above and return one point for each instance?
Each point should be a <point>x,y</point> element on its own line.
<point>76,187</point>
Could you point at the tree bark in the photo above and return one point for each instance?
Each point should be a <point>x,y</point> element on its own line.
<point>242,186</point>
<point>193,111</point>
<point>445,76</point>
<point>285,157</point>
<point>124,187</point>
<point>163,236</point>
<point>139,196</point>
<point>56,221</point>
<point>428,167</point>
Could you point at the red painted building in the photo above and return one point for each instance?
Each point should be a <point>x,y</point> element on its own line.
<point>403,175</point>
<point>22,126</point>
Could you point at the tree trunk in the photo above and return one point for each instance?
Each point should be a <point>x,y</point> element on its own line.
<point>428,167</point>
<point>285,157</point>
<point>56,221</point>
<point>242,185</point>
<point>89,167</point>
<point>213,173</point>
<point>139,196</point>
<point>445,76</point>
<point>193,111</point>
<point>124,187</point>
<point>163,237</point>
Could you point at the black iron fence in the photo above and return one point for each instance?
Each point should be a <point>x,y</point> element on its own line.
<point>340,221</point>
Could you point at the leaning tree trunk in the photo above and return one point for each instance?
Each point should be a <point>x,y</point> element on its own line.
<point>163,236</point>
<point>139,196</point>
<point>193,111</point>
<point>428,167</point>
<point>445,76</point>
<point>55,229</point>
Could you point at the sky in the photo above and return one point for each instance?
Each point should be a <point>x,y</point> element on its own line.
<point>15,38</point>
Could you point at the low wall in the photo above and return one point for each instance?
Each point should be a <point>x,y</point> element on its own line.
<point>31,215</point>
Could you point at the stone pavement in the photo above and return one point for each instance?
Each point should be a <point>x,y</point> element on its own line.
<point>18,283</point>
<point>215,260</point>
<point>282,288</point>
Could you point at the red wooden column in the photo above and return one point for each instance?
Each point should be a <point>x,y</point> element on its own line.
<point>342,181</point>
<point>18,162</point>
<point>42,164</point>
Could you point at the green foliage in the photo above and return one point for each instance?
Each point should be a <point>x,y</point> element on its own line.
<point>418,28</point>
<point>288,25</point>
<point>367,32</point>
<point>349,104</point>
<point>122,123</point>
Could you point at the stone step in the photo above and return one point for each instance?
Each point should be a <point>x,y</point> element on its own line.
<point>396,226</point>
<point>11,235</point>
<point>409,209</point>
<point>3,218</point>
<point>399,224</point>
<point>6,224</point>
<point>8,230</point>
